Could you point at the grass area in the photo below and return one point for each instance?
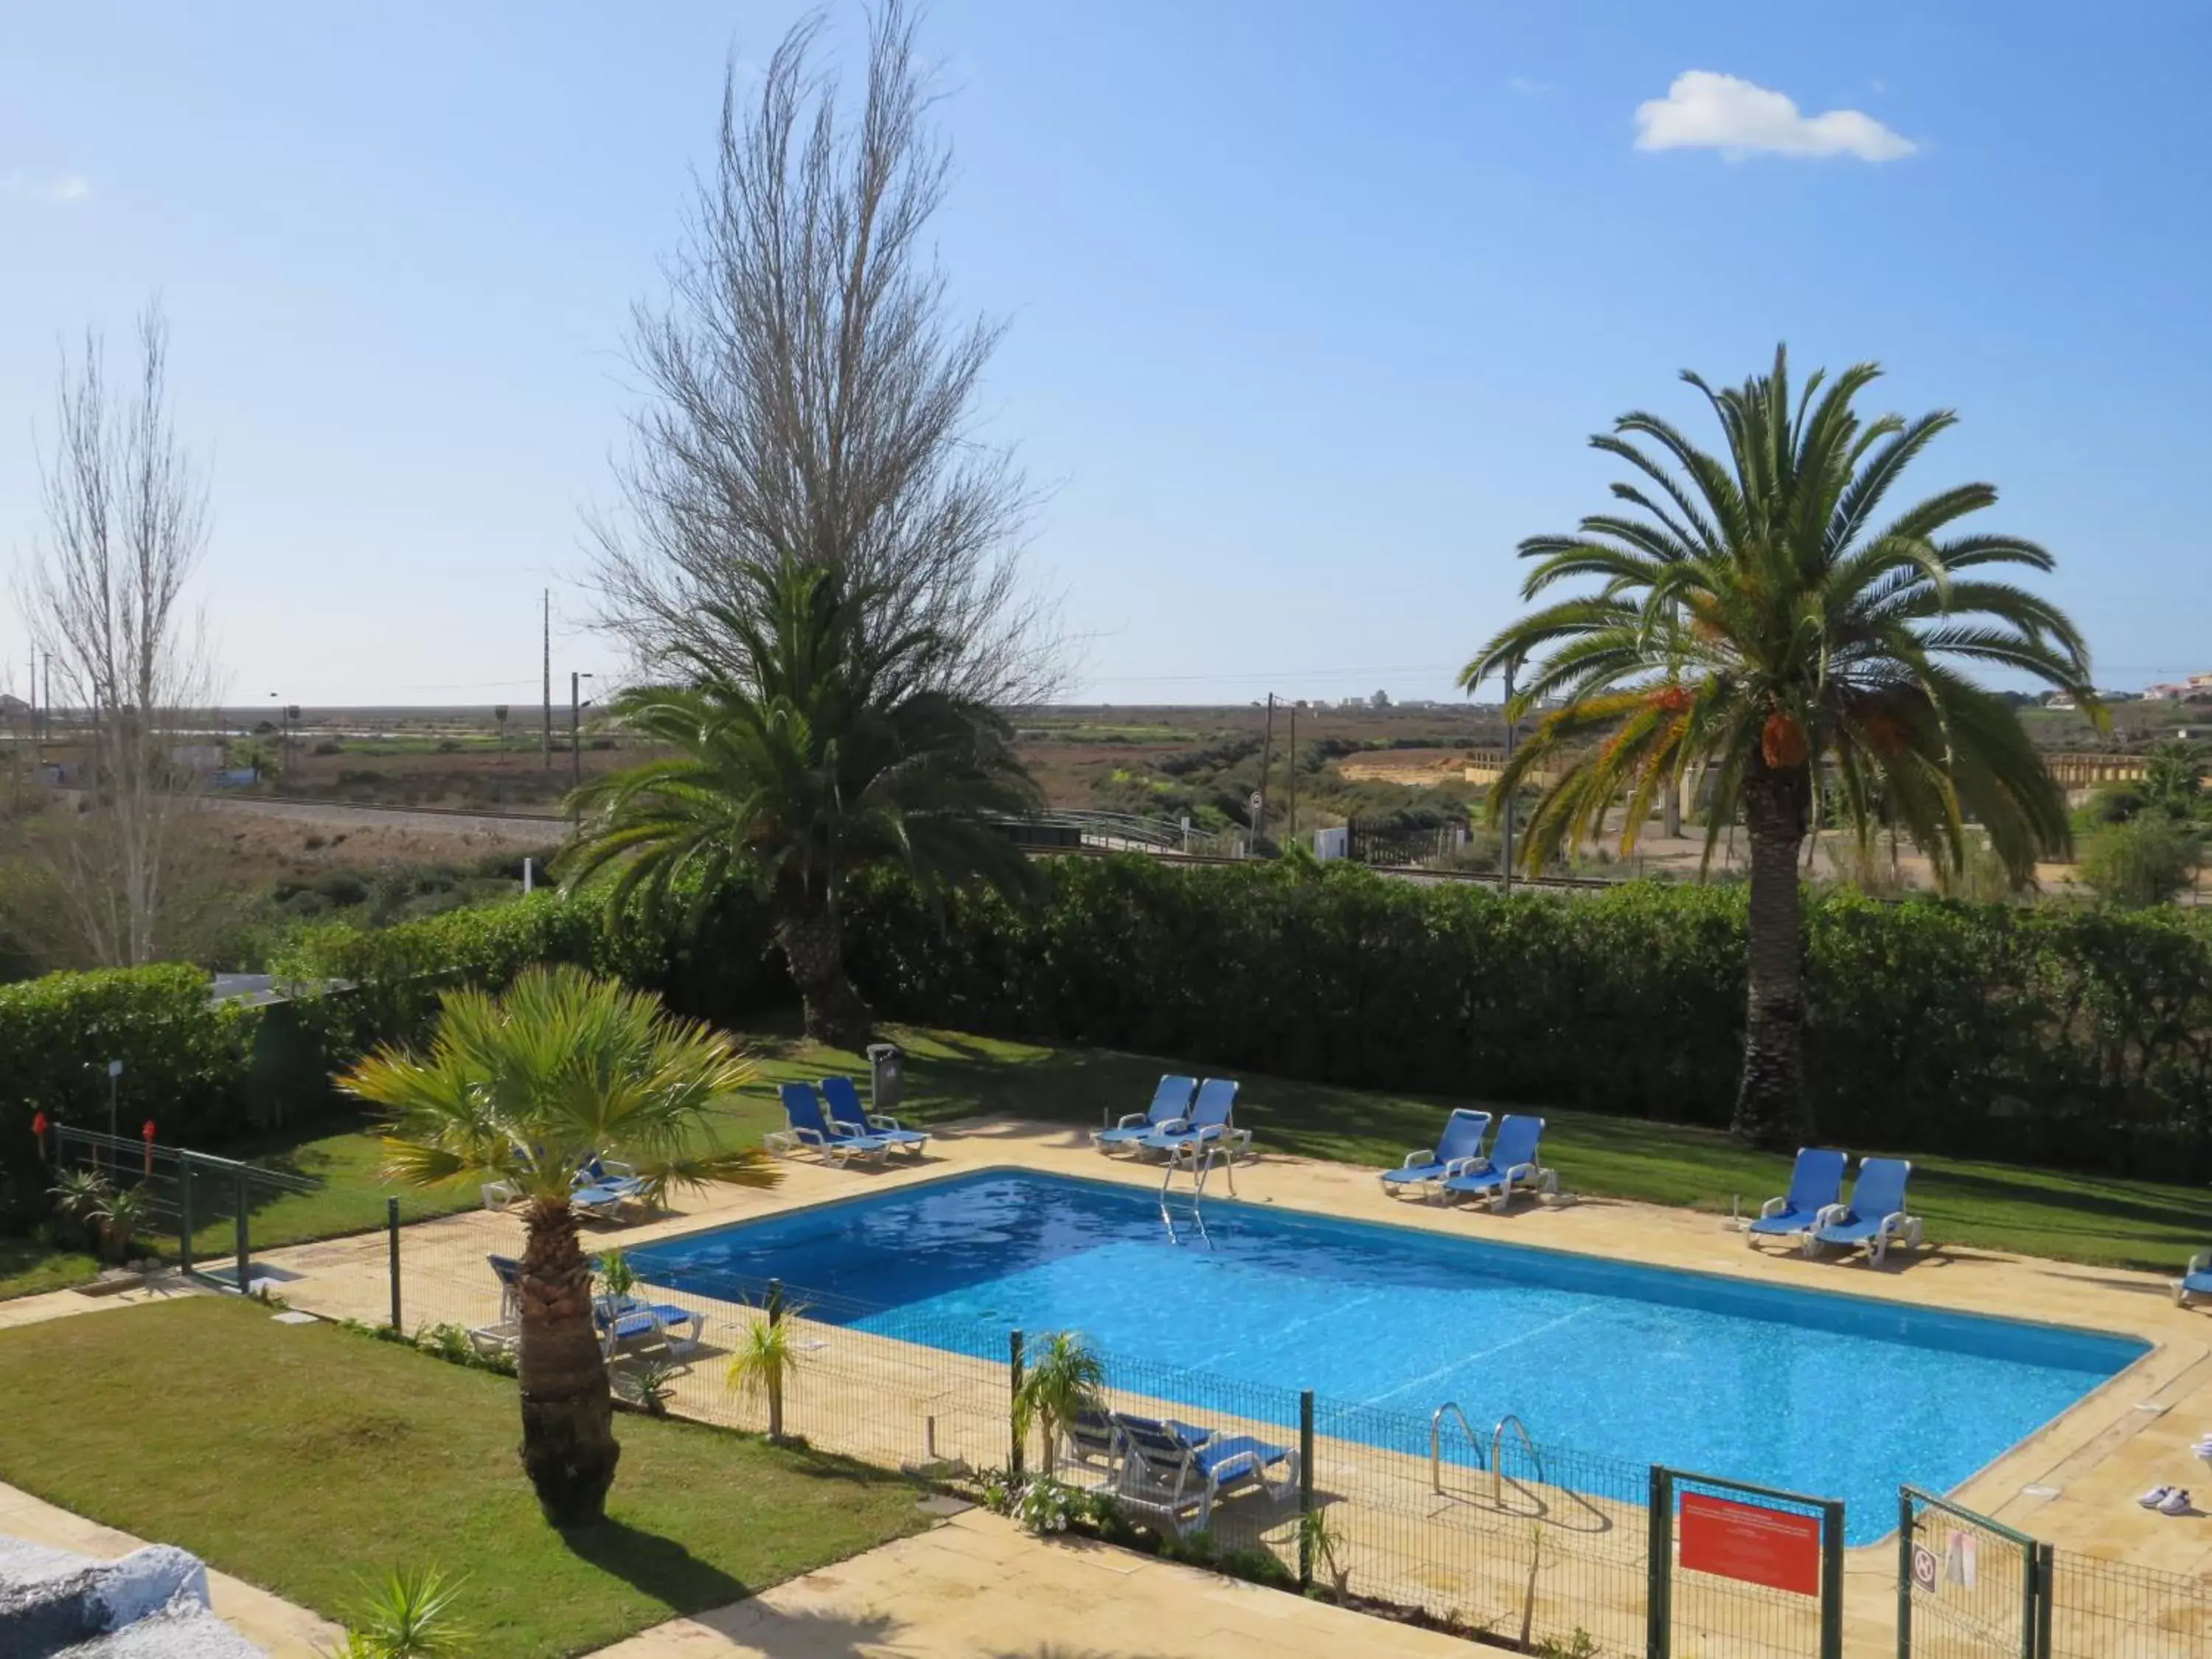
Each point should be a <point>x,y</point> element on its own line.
<point>306,1458</point>
<point>2101,1219</point>
<point>29,1268</point>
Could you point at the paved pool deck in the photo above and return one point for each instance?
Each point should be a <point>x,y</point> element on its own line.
<point>2072,1485</point>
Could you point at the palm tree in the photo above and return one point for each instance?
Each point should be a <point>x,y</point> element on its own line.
<point>1060,1382</point>
<point>1755,614</point>
<point>528,1087</point>
<point>815,747</point>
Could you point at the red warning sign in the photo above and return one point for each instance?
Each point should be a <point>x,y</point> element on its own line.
<point>1774,1548</point>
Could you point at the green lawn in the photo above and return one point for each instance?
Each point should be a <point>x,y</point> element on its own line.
<point>28,1267</point>
<point>2103,1220</point>
<point>306,1458</point>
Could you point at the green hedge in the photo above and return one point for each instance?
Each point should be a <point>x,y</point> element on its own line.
<point>2058,1033</point>
<point>185,1064</point>
<point>2054,1032</point>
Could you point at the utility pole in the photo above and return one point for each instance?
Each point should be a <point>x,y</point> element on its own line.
<point>1293,830</point>
<point>545,742</point>
<point>1505,860</point>
<point>1266,760</point>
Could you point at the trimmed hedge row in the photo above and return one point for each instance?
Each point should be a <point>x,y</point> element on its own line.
<point>2053,1032</point>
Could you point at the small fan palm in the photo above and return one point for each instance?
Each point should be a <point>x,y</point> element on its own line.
<point>1061,1381</point>
<point>530,1087</point>
<point>1756,615</point>
<point>828,750</point>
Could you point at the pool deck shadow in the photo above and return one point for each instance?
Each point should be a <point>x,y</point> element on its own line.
<point>2071,1484</point>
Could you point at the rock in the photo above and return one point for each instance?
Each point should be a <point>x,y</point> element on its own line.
<point>153,1601</point>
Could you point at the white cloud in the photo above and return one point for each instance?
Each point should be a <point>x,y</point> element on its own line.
<point>68,187</point>
<point>1527,88</point>
<point>1705,111</point>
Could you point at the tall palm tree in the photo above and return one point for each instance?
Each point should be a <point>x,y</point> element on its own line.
<point>529,1087</point>
<point>812,747</point>
<point>1755,614</point>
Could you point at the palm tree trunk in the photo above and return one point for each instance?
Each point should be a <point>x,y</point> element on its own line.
<point>1769,1103</point>
<point>568,1448</point>
<point>835,1012</point>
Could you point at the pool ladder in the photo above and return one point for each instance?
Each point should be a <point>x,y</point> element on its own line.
<point>1494,1463</point>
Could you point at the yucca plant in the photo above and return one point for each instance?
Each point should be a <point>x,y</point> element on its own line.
<point>79,1195</point>
<point>120,1213</point>
<point>528,1087</point>
<point>763,1362</point>
<point>1060,1381</point>
<point>408,1615</point>
<point>1757,616</point>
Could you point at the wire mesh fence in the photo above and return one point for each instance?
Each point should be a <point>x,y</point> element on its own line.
<point>2100,1609</point>
<point>1966,1587</point>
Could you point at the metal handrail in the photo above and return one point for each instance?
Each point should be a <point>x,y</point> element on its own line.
<point>1498,1463</point>
<point>1437,1442</point>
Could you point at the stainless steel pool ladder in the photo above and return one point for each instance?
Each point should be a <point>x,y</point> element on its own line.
<point>1186,1156</point>
<point>1494,1463</point>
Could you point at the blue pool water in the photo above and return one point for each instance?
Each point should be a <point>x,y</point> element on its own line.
<point>1834,1395</point>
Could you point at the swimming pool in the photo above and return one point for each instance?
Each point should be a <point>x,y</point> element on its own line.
<point>1835,1395</point>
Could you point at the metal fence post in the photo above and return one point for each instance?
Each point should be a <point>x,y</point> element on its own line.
<point>1659,1560</point>
<point>185,1215</point>
<point>1014,1435</point>
<point>2045,1564</point>
<point>392,1236</point>
<point>245,1246</point>
<point>1305,1488</point>
<point>775,1378</point>
<point>1832,1579</point>
<point>1905,1519</point>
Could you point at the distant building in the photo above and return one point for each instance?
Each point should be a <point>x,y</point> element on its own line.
<point>2198,688</point>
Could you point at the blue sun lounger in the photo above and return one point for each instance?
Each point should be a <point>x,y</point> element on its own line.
<point>1170,1469</point>
<point>1512,1166</point>
<point>809,1127</point>
<point>1170,1100</point>
<point>1816,1189</point>
<point>625,1319</point>
<point>2196,1282</point>
<point>1423,1171</point>
<point>1875,1216</point>
<point>602,1188</point>
<point>845,1112</point>
<point>1211,1119</point>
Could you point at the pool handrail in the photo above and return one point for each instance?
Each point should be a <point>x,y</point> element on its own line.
<point>1436,1439</point>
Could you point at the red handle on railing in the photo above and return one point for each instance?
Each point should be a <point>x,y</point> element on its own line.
<point>39,1128</point>
<point>149,1132</point>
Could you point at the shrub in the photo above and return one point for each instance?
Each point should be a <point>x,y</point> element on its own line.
<point>184,1063</point>
<point>2144,862</point>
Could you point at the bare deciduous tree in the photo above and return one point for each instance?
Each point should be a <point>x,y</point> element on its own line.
<point>809,396</point>
<point>127,520</point>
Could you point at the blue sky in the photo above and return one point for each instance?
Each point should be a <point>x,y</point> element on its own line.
<point>1312,307</point>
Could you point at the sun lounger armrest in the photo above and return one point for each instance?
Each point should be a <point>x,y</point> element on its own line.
<point>1131,1120</point>
<point>1464,1166</point>
<point>614,1171</point>
<point>1174,1126</point>
<point>1831,1214</point>
<point>1521,1174</point>
<point>1773,1207</point>
<point>810,1137</point>
<point>880,1120</point>
<point>2199,1262</point>
<point>1419,1160</point>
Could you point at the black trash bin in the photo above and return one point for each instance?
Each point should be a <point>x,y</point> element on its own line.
<point>886,1077</point>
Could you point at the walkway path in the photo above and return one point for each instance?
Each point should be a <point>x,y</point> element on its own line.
<point>977,1588</point>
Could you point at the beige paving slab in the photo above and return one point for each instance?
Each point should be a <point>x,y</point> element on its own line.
<point>277,1627</point>
<point>976,1588</point>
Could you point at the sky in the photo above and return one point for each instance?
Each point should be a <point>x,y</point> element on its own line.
<point>1312,308</point>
